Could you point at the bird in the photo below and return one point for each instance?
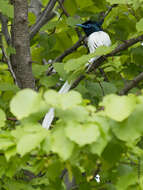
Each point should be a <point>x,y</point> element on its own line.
<point>96,37</point>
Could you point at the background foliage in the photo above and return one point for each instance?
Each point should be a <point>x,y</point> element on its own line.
<point>95,130</point>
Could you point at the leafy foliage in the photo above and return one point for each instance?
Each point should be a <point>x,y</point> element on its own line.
<point>95,131</point>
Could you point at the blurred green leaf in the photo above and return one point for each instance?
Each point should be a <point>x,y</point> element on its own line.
<point>25,103</point>
<point>118,107</point>
<point>60,144</point>
<point>30,141</point>
<point>82,134</point>
<point>63,101</point>
<point>139,25</point>
<point>6,8</point>
<point>2,118</point>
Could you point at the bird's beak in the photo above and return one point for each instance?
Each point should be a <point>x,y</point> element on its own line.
<point>81,25</point>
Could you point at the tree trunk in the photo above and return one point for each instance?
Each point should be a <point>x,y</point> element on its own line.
<point>21,61</point>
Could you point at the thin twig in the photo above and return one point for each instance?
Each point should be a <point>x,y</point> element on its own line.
<point>4,22</point>
<point>103,74</point>
<point>7,59</point>
<point>70,50</point>
<point>107,12</point>
<point>63,8</point>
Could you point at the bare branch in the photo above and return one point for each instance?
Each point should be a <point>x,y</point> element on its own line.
<point>7,60</point>
<point>131,84</point>
<point>107,12</point>
<point>70,50</point>
<point>63,8</point>
<point>5,32</point>
<point>46,15</point>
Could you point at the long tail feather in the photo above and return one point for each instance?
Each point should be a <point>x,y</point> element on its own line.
<point>47,121</point>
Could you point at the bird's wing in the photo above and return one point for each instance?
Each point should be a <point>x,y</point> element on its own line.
<point>95,40</point>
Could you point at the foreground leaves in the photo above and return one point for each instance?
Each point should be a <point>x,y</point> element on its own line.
<point>94,131</point>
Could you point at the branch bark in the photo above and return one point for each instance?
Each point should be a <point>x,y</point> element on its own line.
<point>21,61</point>
<point>70,50</point>
<point>4,22</point>
<point>46,15</point>
<point>131,84</point>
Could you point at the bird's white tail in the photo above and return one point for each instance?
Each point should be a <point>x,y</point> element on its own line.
<point>51,113</point>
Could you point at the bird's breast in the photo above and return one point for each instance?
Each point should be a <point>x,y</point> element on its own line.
<point>97,39</point>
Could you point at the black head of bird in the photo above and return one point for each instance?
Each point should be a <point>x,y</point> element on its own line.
<point>91,26</point>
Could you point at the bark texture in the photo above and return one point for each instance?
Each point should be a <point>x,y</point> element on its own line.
<point>21,61</point>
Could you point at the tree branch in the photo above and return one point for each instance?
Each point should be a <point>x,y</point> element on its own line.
<point>131,84</point>
<point>107,12</point>
<point>7,60</point>
<point>5,32</point>
<point>46,15</point>
<point>70,50</point>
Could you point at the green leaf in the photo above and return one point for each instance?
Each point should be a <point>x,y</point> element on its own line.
<point>8,87</point>
<point>60,144</point>
<point>49,81</point>
<point>70,99</point>
<point>68,4</point>
<point>2,118</point>
<point>99,146</point>
<point>112,152</point>
<point>82,134</point>
<point>120,1</point>
<point>125,180</point>
<point>59,67</point>
<point>25,103</point>
<point>74,64</point>
<point>5,143</point>
<point>77,113</point>
<point>49,26</point>
<point>118,107</point>
<point>130,129</point>
<point>6,8</point>
<point>30,141</point>
<point>139,25</point>
<point>31,18</point>
<point>102,50</point>
<point>125,132</point>
<point>63,101</point>
<point>71,21</point>
<point>100,89</point>
<point>10,152</point>
<point>84,3</point>
<point>10,50</point>
<point>39,70</point>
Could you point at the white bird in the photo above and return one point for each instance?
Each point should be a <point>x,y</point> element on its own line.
<point>95,37</point>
